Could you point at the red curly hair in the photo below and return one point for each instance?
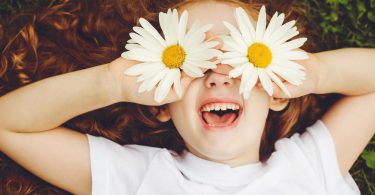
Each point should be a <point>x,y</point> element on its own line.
<point>71,35</point>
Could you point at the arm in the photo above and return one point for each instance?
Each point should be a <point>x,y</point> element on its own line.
<point>30,118</point>
<point>351,120</point>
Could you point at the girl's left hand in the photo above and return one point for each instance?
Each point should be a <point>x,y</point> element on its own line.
<point>310,85</point>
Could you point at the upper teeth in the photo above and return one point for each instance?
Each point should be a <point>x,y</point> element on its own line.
<point>219,106</point>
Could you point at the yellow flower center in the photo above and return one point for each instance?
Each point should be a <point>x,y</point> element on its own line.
<point>260,55</point>
<point>174,56</point>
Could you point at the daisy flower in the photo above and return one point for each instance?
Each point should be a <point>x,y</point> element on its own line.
<point>163,58</point>
<point>263,52</point>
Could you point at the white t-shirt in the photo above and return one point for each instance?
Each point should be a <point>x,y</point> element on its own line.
<point>301,165</point>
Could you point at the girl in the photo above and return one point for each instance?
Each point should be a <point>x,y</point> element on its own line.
<point>265,151</point>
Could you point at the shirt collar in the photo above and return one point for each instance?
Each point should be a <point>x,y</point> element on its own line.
<point>203,171</point>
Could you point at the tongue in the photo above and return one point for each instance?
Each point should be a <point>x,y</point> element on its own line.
<point>219,121</point>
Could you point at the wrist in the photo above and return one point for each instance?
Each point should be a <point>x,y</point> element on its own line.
<point>322,82</point>
<point>121,83</point>
<point>110,85</point>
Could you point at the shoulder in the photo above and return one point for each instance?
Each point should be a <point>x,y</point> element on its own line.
<point>120,169</point>
<point>314,134</point>
<point>107,146</point>
<point>313,153</point>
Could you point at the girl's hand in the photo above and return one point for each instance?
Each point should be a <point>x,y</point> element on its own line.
<point>127,86</point>
<point>310,85</point>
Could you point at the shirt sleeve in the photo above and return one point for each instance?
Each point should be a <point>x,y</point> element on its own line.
<point>317,146</point>
<point>117,169</point>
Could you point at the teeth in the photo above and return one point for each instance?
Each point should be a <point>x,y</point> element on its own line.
<point>219,106</point>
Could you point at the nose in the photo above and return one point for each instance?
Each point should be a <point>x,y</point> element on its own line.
<point>215,79</point>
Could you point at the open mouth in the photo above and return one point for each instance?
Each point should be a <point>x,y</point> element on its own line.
<point>219,115</point>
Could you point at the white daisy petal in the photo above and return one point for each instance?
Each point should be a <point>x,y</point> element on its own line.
<point>152,71</point>
<point>290,45</point>
<point>266,81</point>
<point>196,37</point>
<point>177,82</point>
<point>280,32</point>
<point>149,28</point>
<point>142,55</point>
<point>238,60</point>
<point>148,37</point>
<point>165,28</point>
<point>278,82</point>
<point>245,31</point>
<point>146,43</point>
<point>243,15</point>
<point>293,55</point>
<point>202,47</point>
<point>182,25</point>
<point>131,41</point>
<point>202,64</point>
<point>292,68</point>
<point>194,27</point>
<point>250,83</point>
<point>271,26</point>
<point>290,34</point>
<point>173,20</point>
<point>261,24</point>
<point>202,56</point>
<point>138,68</point>
<point>143,87</point>
<point>232,46</point>
<point>230,54</point>
<point>131,46</point>
<point>236,35</point>
<point>168,25</point>
<point>151,84</point>
<point>237,71</point>
<point>164,86</point>
<point>246,76</point>
<point>288,75</point>
<point>280,20</point>
<point>288,64</point>
<point>191,70</point>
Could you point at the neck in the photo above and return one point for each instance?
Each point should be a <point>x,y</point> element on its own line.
<point>249,157</point>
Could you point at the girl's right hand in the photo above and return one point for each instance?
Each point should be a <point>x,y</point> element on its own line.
<point>127,86</point>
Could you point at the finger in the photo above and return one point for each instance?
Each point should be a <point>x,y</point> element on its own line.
<point>172,96</point>
<point>220,41</point>
<point>295,91</point>
<point>222,69</point>
<point>209,35</point>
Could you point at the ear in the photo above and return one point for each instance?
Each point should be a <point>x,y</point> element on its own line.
<point>161,113</point>
<point>278,104</point>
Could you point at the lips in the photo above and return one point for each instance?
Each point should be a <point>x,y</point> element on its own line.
<point>220,114</point>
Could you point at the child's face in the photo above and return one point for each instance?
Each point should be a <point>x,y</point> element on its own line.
<point>235,139</point>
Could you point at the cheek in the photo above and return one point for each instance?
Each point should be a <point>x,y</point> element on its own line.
<point>183,112</point>
<point>256,109</point>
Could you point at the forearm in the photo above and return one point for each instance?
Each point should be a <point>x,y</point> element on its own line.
<point>48,103</point>
<point>348,71</point>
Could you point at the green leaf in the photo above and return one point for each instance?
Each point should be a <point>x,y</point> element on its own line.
<point>372,3</point>
<point>369,157</point>
<point>371,16</point>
